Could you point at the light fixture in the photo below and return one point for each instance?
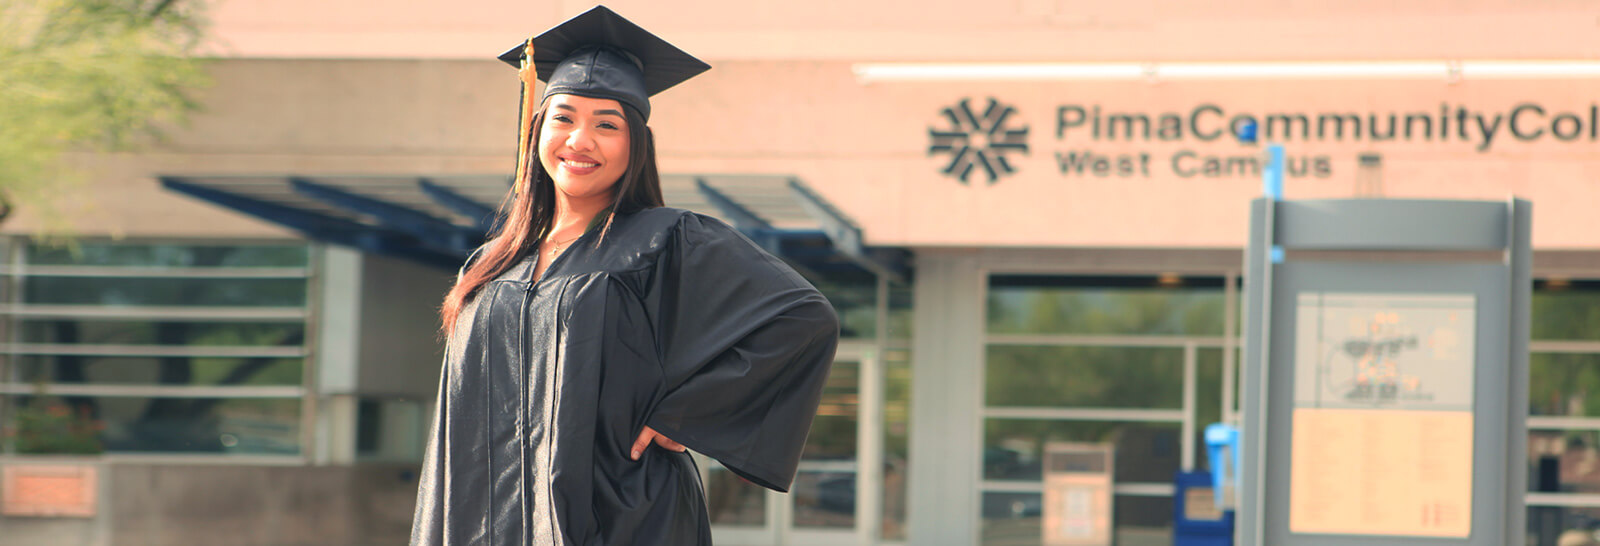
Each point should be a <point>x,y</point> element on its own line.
<point>1530,69</point>
<point>998,71</point>
<point>1444,70</point>
<point>1225,71</point>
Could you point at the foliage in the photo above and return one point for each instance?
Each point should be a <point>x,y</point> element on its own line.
<point>87,75</point>
<point>54,428</point>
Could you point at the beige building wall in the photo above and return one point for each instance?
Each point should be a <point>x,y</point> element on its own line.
<point>936,30</point>
<point>305,88</point>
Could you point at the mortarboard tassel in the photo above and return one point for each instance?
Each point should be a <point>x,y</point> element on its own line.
<point>529,76</point>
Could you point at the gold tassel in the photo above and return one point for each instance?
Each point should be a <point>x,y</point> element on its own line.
<point>530,77</point>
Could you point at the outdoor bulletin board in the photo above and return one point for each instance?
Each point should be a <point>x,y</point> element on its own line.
<point>1385,380</point>
<point>1382,425</point>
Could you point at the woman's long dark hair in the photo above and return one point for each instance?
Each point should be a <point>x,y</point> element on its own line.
<point>528,211</point>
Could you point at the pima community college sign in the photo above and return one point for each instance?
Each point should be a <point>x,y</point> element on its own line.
<point>979,141</point>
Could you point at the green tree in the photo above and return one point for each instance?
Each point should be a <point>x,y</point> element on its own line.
<point>91,76</point>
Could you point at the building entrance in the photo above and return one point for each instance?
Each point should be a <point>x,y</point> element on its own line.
<point>1132,365</point>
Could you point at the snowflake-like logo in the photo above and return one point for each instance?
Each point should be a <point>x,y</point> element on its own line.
<point>978,141</point>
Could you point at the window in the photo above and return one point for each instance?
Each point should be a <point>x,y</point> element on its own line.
<point>1563,410</point>
<point>153,348</point>
<point>1130,362</point>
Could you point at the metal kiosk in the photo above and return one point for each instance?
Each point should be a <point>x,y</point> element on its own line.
<point>1386,373</point>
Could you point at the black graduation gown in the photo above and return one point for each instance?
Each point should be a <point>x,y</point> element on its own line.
<point>675,321</point>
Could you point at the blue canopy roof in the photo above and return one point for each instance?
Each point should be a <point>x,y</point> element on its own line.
<point>438,221</point>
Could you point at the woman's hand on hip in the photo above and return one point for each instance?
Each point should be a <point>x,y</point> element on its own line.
<point>648,435</point>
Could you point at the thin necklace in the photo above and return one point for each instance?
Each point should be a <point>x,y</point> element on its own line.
<point>555,246</point>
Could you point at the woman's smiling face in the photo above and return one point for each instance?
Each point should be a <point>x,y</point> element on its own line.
<point>583,146</point>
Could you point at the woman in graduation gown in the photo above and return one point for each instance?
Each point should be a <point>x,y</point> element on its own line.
<point>598,333</point>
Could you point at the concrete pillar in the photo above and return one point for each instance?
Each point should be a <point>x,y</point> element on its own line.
<point>946,439</point>
<point>337,355</point>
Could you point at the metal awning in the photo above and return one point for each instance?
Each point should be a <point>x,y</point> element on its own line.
<point>439,220</point>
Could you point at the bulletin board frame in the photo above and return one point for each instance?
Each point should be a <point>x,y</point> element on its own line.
<point>1416,249</point>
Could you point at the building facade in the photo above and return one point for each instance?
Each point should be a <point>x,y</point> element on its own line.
<point>1038,240</point>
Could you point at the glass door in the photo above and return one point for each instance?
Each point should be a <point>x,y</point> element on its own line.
<point>826,505</point>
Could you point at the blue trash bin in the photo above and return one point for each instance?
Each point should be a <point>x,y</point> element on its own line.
<point>1197,520</point>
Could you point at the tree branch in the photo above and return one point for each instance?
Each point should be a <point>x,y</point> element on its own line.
<point>155,12</point>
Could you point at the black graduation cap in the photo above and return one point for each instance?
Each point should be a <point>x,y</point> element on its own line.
<point>601,55</point>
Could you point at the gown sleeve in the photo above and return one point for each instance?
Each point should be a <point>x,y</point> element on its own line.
<point>745,346</point>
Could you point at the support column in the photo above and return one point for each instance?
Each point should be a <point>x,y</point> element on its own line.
<point>946,439</point>
<point>337,356</point>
